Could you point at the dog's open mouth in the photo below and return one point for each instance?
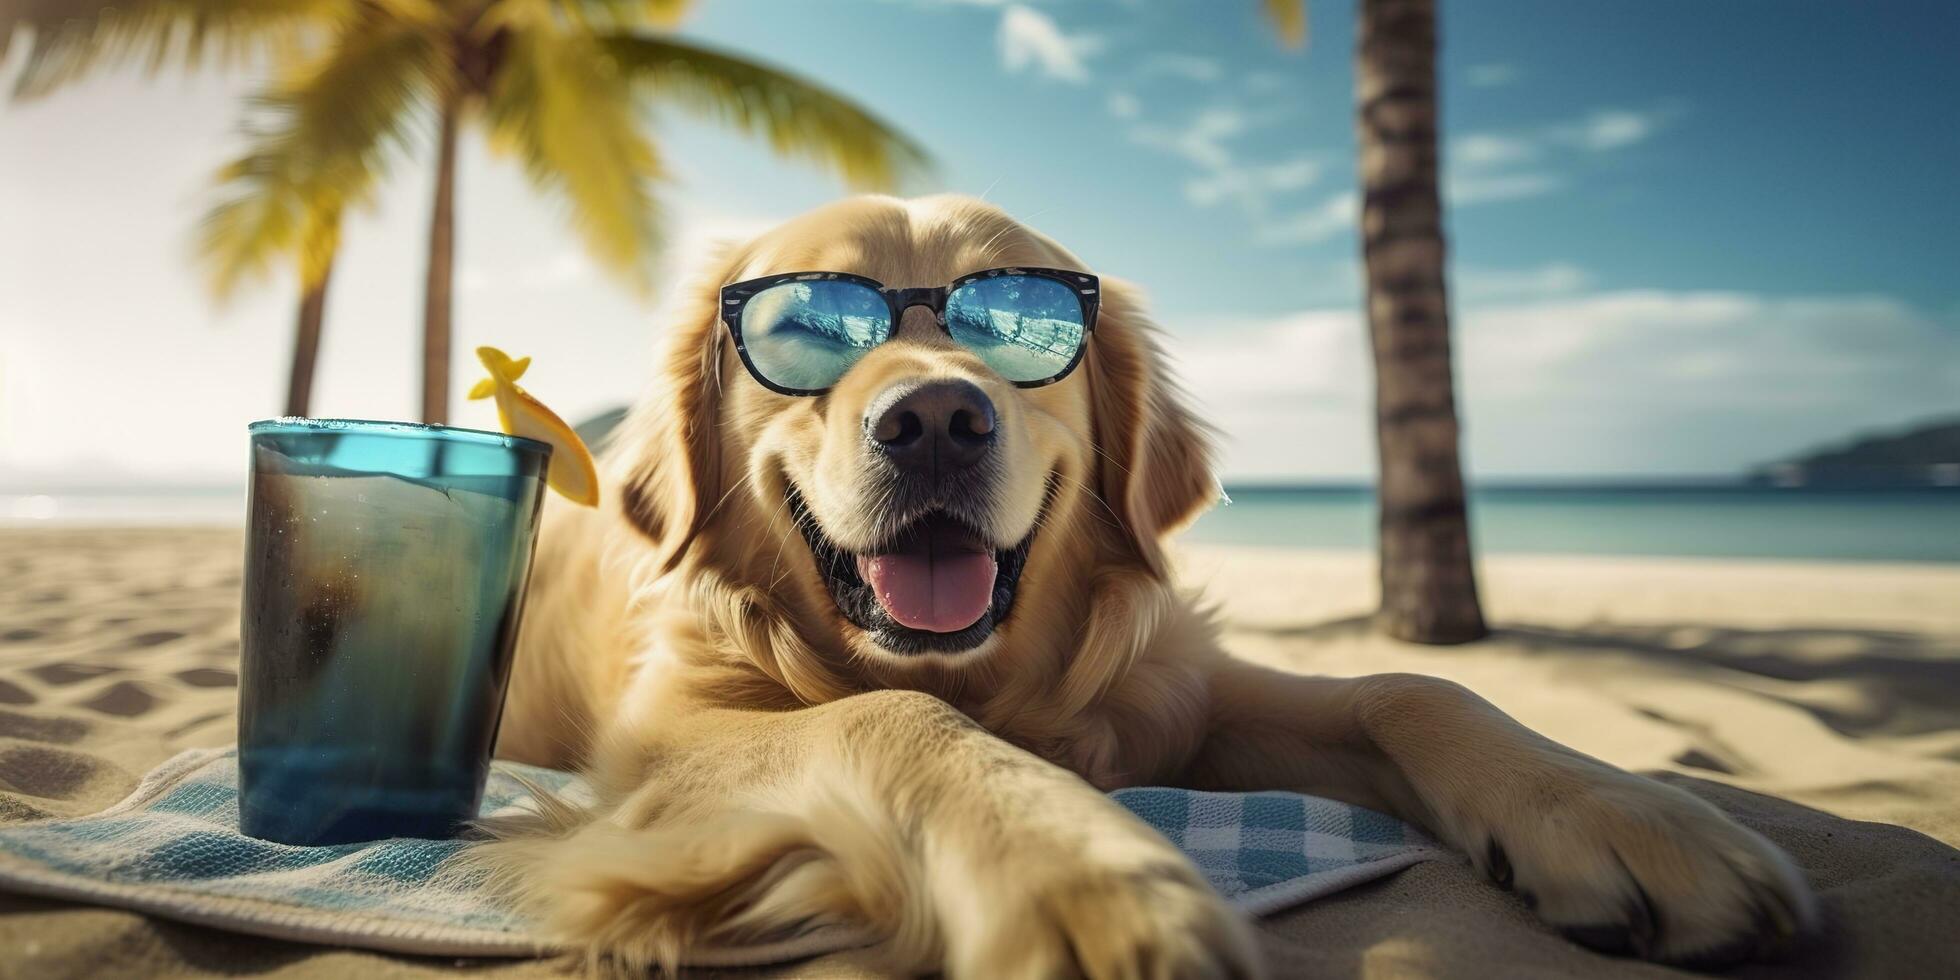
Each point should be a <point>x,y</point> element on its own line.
<point>937,576</point>
<point>935,586</point>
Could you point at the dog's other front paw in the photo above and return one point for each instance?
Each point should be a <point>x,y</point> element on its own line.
<point>1631,866</point>
<point>1151,921</point>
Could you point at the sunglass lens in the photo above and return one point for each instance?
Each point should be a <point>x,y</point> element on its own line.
<point>1027,328</point>
<point>805,335</point>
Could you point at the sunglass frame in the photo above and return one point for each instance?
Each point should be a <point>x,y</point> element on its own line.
<point>1086,288</point>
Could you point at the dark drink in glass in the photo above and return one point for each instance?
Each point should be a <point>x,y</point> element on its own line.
<point>385,566</point>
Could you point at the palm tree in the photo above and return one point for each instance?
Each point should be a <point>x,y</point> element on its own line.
<point>562,84</point>
<point>70,37</point>
<point>1428,580</point>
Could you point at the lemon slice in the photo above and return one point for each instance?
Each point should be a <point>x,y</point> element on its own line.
<point>571,472</point>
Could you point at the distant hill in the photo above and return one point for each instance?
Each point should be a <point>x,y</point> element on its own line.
<point>1927,456</point>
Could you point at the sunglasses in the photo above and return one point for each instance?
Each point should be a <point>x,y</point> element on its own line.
<point>798,333</point>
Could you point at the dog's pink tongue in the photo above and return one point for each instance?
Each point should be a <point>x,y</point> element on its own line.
<point>933,589</point>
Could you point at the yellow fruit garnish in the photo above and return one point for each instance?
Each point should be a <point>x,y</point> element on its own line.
<point>571,472</point>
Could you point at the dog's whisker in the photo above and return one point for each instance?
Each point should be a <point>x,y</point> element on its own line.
<point>988,248</point>
<point>1114,522</point>
<point>782,544</point>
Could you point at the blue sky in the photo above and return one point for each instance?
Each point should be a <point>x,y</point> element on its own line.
<point>1686,237</point>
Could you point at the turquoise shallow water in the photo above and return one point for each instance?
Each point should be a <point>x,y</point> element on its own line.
<point>1737,522</point>
<point>1709,521</point>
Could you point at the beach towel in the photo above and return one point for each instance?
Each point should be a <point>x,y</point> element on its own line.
<point>172,849</point>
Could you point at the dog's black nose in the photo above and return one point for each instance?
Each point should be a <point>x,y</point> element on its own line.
<point>935,429</point>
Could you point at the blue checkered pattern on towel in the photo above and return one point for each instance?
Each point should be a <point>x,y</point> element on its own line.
<point>178,834</point>
<point>173,849</point>
<point>1251,844</point>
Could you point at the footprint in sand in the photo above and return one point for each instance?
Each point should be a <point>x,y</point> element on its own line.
<point>138,645</point>
<point>53,774</point>
<point>57,730</point>
<point>124,699</point>
<point>64,674</point>
<point>1697,759</point>
<point>208,677</point>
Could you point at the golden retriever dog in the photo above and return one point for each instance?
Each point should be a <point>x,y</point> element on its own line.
<point>870,658</point>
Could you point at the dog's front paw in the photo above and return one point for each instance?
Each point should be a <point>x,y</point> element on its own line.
<point>1155,919</point>
<point>1628,865</point>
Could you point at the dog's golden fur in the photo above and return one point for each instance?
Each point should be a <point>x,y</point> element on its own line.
<point>762,766</point>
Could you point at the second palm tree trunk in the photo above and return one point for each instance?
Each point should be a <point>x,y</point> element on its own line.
<point>306,344</point>
<point>1429,587</point>
<point>442,261</point>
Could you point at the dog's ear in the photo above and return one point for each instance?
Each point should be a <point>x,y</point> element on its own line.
<point>1155,457</point>
<point>667,450</point>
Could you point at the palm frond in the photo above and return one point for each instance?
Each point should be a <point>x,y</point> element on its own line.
<point>799,118</point>
<point>588,16</point>
<point>665,13</point>
<point>569,115</point>
<point>1289,18</point>
<point>72,36</point>
<point>326,135</point>
<point>629,13</point>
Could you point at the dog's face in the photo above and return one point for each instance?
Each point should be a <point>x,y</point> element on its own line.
<point>924,508</point>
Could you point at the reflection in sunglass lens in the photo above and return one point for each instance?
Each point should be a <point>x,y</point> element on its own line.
<point>1027,328</point>
<point>805,335</point>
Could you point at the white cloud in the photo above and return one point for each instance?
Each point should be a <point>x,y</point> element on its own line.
<point>1483,167</point>
<point>1700,381</point>
<point>1602,383</point>
<point>1487,167</point>
<point>1492,75</point>
<point>1462,190</point>
<point>1289,395</point>
<point>1319,223</point>
<point>1339,213</point>
<point>1475,283</point>
<point>1251,185</point>
<point>1030,39</point>
<point>1292,174</point>
<point>1202,141</point>
<point>1189,67</point>
<point>1614,128</point>
<point>1205,142</point>
<point>1490,149</point>
<point>1266,82</point>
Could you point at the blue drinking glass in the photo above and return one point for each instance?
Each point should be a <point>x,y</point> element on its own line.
<point>385,566</point>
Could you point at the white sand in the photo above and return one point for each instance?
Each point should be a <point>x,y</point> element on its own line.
<point>1835,685</point>
<point>1832,684</point>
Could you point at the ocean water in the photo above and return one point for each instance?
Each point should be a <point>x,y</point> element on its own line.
<point>1707,521</point>
<point>1704,521</point>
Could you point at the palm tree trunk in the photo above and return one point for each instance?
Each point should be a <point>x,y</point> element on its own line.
<point>1428,584</point>
<point>442,262</point>
<point>306,344</point>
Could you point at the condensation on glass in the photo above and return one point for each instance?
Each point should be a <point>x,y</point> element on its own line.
<point>385,569</point>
